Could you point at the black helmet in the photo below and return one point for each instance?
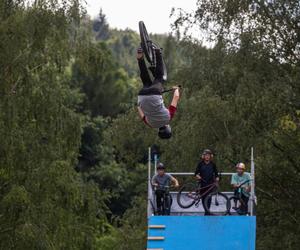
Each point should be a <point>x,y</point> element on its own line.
<point>207,152</point>
<point>165,132</point>
<point>160,166</point>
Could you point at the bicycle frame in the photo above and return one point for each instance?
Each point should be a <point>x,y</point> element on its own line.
<point>237,196</point>
<point>200,196</point>
<point>166,197</point>
<point>152,45</point>
<point>166,205</point>
<point>239,188</point>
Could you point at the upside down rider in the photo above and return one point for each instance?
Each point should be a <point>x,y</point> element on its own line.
<point>151,106</point>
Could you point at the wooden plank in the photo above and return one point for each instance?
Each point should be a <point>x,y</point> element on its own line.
<point>156,238</point>
<point>157,226</point>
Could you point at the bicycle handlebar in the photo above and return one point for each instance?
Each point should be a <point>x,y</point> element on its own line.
<point>163,186</point>
<point>171,89</point>
<point>243,183</point>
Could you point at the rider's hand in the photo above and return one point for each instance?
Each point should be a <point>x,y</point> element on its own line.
<point>198,177</point>
<point>140,53</point>
<point>177,185</point>
<point>176,92</point>
<point>155,185</point>
<point>217,179</point>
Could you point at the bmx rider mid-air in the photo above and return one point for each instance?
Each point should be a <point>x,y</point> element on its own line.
<point>151,106</point>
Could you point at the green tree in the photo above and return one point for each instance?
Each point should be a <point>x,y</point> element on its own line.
<point>106,87</point>
<point>44,202</point>
<point>101,27</point>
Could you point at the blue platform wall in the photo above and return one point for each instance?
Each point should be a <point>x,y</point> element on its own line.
<point>203,232</point>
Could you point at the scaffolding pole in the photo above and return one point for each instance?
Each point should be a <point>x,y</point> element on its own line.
<point>149,209</point>
<point>155,163</point>
<point>252,194</point>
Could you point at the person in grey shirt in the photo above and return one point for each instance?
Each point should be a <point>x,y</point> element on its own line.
<point>151,106</point>
<point>161,182</point>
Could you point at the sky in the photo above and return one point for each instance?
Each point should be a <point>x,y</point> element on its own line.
<point>127,13</point>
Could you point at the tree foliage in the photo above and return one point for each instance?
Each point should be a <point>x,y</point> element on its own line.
<point>45,204</point>
<point>72,173</point>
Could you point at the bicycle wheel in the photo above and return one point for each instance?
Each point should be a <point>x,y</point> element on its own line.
<point>187,195</point>
<point>167,204</point>
<point>217,204</point>
<point>146,43</point>
<point>234,204</point>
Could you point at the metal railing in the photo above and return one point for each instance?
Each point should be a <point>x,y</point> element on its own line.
<point>192,174</point>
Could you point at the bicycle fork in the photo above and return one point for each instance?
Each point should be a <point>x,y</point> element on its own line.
<point>197,203</point>
<point>216,200</point>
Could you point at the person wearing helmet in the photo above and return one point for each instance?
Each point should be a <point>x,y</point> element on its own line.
<point>151,105</point>
<point>206,173</point>
<point>241,179</point>
<point>161,181</point>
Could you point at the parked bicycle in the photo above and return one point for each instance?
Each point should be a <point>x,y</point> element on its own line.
<point>236,201</point>
<point>215,202</point>
<point>163,200</point>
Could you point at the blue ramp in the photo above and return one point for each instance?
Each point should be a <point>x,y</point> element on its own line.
<point>201,232</point>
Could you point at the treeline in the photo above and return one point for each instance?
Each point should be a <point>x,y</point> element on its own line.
<point>241,92</point>
<point>72,173</point>
<point>59,88</point>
